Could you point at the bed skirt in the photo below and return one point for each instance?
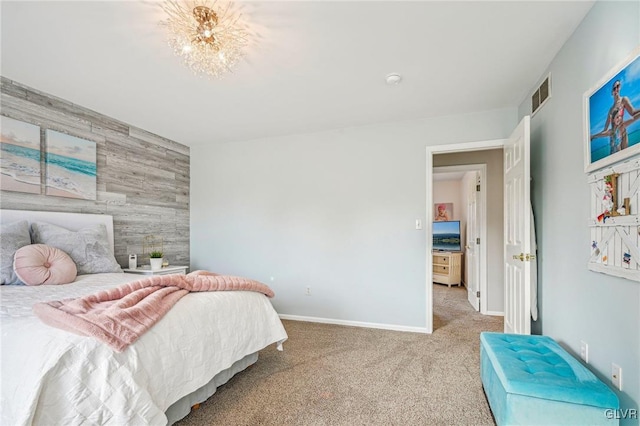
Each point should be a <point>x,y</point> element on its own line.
<point>179,409</point>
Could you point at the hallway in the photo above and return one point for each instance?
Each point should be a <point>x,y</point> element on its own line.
<point>451,310</point>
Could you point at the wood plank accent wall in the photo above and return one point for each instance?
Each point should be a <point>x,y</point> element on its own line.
<point>142,178</point>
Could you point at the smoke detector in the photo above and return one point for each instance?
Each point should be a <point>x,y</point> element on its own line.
<point>393,79</point>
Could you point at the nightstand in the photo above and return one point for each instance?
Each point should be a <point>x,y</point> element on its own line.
<point>146,270</point>
<point>447,268</point>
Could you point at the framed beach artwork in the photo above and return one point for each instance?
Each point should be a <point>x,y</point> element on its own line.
<point>19,156</point>
<point>70,164</point>
<point>612,115</point>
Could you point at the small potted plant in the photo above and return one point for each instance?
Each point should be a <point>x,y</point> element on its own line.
<point>155,258</point>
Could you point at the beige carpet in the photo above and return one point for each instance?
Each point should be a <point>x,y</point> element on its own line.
<point>337,375</point>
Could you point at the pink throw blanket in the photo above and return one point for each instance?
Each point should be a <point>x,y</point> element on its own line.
<point>120,315</point>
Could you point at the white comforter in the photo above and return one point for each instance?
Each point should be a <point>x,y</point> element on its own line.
<point>50,376</point>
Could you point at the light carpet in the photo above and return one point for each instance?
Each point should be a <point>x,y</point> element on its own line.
<point>338,375</point>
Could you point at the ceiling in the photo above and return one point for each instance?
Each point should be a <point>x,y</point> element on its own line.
<point>312,65</point>
<point>443,176</point>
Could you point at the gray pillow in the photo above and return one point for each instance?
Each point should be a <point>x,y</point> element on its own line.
<point>89,247</point>
<point>12,237</point>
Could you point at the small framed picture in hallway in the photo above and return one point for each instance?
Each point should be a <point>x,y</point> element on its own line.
<point>442,212</point>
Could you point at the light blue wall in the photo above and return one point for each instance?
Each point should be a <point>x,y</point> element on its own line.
<point>334,211</point>
<point>576,304</point>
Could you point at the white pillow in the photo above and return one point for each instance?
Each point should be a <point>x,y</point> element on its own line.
<point>12,237</point>
<point>89,247</point>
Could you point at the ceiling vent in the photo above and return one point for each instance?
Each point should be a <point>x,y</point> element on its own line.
<point>541,95</point>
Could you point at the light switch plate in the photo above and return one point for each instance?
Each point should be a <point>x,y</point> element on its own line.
<point>584,351</point>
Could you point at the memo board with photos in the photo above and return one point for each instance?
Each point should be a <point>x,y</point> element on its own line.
<point>614,221</point>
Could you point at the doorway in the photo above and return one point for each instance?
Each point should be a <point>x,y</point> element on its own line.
<point>464,186</point>
<point>485,291</point>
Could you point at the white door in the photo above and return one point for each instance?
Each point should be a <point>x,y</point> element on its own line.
<point>517,238</point>
<point>471,252</point>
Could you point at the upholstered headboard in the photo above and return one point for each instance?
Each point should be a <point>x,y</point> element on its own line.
<point>71,221</point>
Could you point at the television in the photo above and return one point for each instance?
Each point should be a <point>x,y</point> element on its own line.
<point>446,236</point>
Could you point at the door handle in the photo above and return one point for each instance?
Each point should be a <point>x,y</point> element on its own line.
<point>522,257</point>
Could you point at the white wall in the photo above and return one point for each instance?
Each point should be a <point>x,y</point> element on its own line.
<point>334,211</point>
<point>577,304</point>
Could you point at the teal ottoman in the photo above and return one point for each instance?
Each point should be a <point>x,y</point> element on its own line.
<point>531,380</point>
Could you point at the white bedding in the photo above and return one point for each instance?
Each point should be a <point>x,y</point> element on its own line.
<point>50,376</point>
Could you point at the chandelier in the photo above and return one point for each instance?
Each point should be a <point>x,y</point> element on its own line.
<point>206,34</point>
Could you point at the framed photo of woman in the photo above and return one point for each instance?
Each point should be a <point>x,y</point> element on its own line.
<point>443,212</point>
<point>612,115</point>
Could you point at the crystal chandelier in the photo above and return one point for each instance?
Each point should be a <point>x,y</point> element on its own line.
<point>206,34</point>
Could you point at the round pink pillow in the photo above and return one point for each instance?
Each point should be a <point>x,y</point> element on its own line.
<point>37,264</point>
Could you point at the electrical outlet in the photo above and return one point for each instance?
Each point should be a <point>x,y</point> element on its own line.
<point>272,279</point>
<point>616,376</point>
<point>308,291</point>
<point>584,351</point>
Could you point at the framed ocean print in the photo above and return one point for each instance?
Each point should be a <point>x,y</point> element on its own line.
<point>612,115</point>
<point>70,164</point>
<point>19,156</point>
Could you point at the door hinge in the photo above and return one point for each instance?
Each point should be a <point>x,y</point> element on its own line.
<point>477,293</point>
<point>478,188</point>
<point>477,240</point>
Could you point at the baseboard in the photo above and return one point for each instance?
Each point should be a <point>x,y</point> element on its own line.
<point>494,313</point>
<point>355,323</point>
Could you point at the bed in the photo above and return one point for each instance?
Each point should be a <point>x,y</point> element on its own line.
<point>50,376</point>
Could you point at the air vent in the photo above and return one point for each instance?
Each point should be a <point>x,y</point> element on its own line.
<point>541,94</point>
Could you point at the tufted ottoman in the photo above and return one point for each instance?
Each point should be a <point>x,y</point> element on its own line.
<point>531,380</point>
